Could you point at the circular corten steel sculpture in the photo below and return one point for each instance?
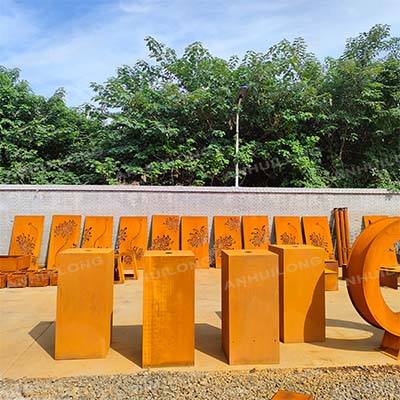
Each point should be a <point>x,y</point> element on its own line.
<point>374,249</point>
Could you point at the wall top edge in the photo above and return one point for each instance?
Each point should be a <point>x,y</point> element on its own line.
<point>189,189</point>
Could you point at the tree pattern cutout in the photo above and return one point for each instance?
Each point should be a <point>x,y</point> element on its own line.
<point>288,238</point>
<point>259,236</point>
<point>172,223</point>
<point>198,237</point>
<point>233,223</point>
<point>162,243</point>
<point>318,240</point>
<point>87,234</point>
<point>223,243</point>
<point>132,251</point>
<point>65,230</point>
<point>26,245</point>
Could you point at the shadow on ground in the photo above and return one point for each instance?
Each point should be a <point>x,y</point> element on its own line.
<point>358,341</point>
<point>127,340</point>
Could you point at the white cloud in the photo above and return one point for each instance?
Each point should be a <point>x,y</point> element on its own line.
<point>74,52</point>
<point>17,25</point>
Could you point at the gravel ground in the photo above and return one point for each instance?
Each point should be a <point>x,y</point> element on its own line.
<point>372,383</point>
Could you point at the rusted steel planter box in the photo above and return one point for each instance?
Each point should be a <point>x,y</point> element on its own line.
<point>14,263</point>
<point>250,306</point>
<point>168,308</point>
<point>3,280</point>
<point>301,293</point>
<point>331,275</point>
<point>84,303</point>
<point>17,280</point>
<point>38,278</point>
<point>53,278</point>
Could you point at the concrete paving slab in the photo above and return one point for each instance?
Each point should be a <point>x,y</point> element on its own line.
<point>27,334</point>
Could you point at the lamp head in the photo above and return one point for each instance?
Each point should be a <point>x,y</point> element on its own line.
<point>242,91</point>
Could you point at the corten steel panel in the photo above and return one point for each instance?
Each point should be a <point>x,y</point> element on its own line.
<point>301,293</point>
<point>370,219</point>
<point>84,303</point>
<point>132,241</point>
<point>165,232</point>
<point>255,232</point>
<point>14,263</point>
<point>317,233</point>
<point>227,236</point>
<point>168,308</point>
<point>26,237</point>
<point>65,234</point>
<point>97,232</point>
<point>194,237</point>
<point>250,306</point>
<point>288,230</point>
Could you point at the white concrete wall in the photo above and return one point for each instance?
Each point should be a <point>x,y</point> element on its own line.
<point>209,201</point>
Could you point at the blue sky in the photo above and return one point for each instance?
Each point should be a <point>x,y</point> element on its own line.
<point>70,43</point>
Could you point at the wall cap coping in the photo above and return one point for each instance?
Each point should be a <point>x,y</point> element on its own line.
<point>192,189</point>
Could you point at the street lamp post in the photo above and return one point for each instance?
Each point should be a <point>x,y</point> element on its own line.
<point>241,95</point>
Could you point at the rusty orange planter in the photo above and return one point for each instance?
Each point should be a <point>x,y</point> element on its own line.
<point>38,278</point>
<point>301,293</point>
<point>97,232</point>
<point>255,232</point>
<point>195,238</point>
<point>132,241</point>
<point>250,306</point>
<point>288,230</point>
<point>17,280</point>
<point>84,303</point>
<point>26,237</point>
<point>3,280</point>
<point>168,308</point>
<point>53,277</point>
<point>165,232</point>
<point>227,236</point>
<point>14,263</point>
<point>65,233</point>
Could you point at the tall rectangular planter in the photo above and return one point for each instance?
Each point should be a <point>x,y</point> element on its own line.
<point>84,303</point>
<point>168,308</point>
<point>301,293</point>
<point>250,306</point>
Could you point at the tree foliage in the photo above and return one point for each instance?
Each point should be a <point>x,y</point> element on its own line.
<point>171,120</point>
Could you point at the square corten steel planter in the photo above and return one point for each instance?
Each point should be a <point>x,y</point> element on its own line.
<point>301,293</point>
<point>14,263</point>
<point>38,278</point>
<point>3,280</point>
<point>250,306</point>
<point>84,303</point>
<point>168,309</point>
<point>53,278</point>
<point>17,280</point>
